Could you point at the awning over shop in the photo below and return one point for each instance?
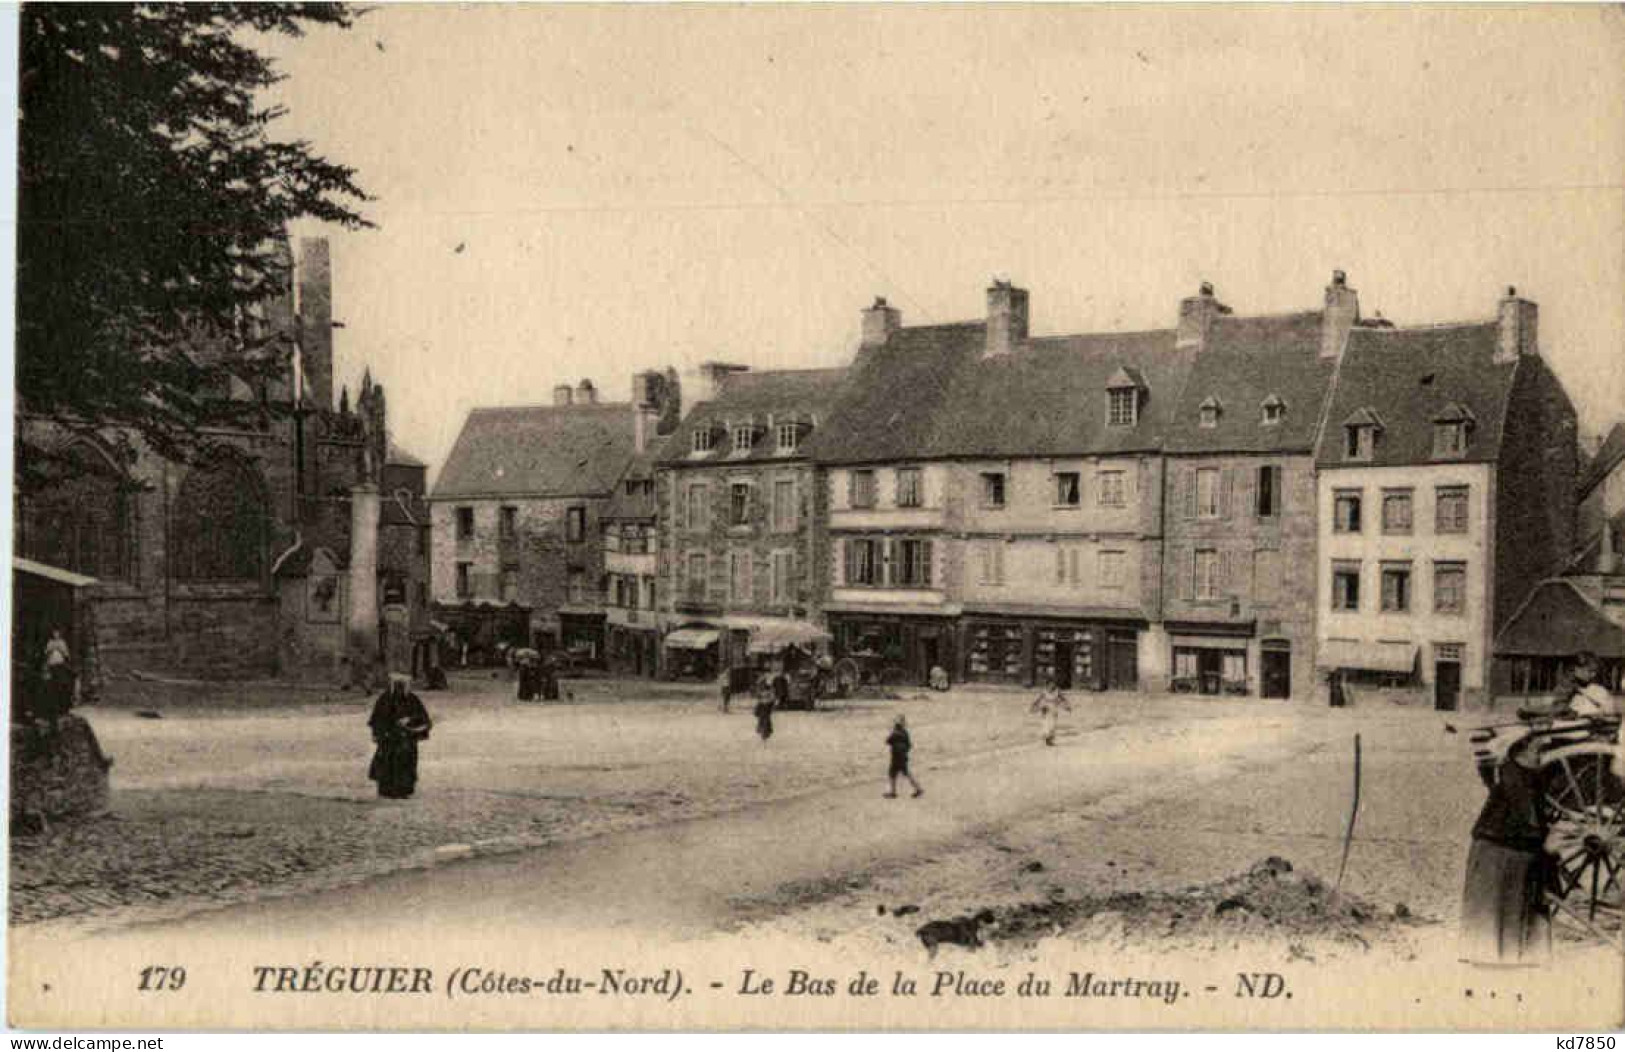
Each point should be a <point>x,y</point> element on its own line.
<point>51,573</point>
<point>1367,657</point>
<point>692,638</point>
<point>1559,621</point>
<point>772,638</point>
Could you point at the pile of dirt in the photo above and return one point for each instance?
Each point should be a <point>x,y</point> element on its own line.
<point>1268,900</point>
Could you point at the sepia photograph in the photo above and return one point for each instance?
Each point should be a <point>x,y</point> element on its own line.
<point>817,517</point>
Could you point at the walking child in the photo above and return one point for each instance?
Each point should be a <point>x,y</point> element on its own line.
<point>900,745</point>
<point>1049,704</point>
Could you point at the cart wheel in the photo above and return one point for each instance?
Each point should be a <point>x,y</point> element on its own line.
<point>846,677</point>
<point>1585,807</point>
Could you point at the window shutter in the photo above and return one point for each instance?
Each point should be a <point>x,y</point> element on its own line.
<point>1227,576</point>
<point>846,560</point>
<point>1060,565</point>
<point>1227,485</point>
<point>925,562</point>
<point>1187,574</point>
<point>1187,477</point>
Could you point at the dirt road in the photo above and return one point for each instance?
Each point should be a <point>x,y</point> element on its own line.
<point>691,878</point>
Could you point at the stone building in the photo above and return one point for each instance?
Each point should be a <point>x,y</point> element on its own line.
<point>517,516</point>
<point>250,564</point>
<point>996,499</point>
<point>1241,507</point>
<point>741,517</point>
<point>1446,491</point>
<point>631,568</point>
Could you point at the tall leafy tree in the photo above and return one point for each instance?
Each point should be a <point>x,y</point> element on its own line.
<point>152,196</point>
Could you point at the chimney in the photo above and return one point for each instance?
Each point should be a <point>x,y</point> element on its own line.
<point>879,322</point>
<point>1341,313</point>
<point>1006,318</point>
<point>708,381</point>
<point>316,321</point>
<point>1518,321</point>
<point>1196,314</point>
<point>563,394</point>
<point>586,393</point>
<point>648,391</point>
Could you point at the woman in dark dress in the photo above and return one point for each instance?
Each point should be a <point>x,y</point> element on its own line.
<point>399,721</point>
<point>1503,918</point>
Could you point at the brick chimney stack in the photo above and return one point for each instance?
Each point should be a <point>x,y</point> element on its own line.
<point>1519,320</point>
<point>1196,314</point>
<point>1341,313</point>
<point>586,393</point>
<point>1006,318</point>
<point>648,396</point>
<point>316,320</point>
<point>707,381</point>
<point>563,394</point>
<point>879,322</point>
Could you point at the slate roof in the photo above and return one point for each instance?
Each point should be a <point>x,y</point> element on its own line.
<point>929,393</point>
<point>639,506</point>
<point>1406,377</point>
<point>888,407</point>
<point>1246,361</point>
<point>539,451</point>
<point>1609,456</point>
<point>775,392</point>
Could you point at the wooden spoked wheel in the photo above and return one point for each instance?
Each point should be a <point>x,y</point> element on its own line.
<point>1585,811</point>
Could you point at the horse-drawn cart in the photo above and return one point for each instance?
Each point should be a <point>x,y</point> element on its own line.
<point>1583,798</point>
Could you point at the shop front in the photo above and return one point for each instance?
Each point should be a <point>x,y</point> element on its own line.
<point>1078,654</point>
<point>581,633</point>
<point>692,651</point>
<point>632,650</point>
<point>903,648</point>
<point>1213,660</point>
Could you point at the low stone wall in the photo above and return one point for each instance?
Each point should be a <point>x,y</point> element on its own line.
<point>56,774</point>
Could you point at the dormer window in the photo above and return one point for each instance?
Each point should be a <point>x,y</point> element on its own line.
<point>1122,407</point>
<point>789,437</point>
<point>703,440</point>
<point>1452,431</point>
<point>1274,411</point>
<point>744,436</point>
<point>1209,411</point>
<point>1123,392</point>
<point>1360,433</point>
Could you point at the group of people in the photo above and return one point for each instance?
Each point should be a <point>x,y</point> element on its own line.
<point>1504,918</point>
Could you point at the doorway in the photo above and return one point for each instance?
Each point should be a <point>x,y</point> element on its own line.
<point>929,655</point>
<point>1446,685</point>
<point>1276,673</point>
<point>1063,664</point>
<point>1122,661</point>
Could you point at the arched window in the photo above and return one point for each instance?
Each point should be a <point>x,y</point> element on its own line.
<point>83,521</point>
<point>220,524</point>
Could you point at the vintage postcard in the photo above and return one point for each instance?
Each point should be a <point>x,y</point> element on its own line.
<point>834,517</point>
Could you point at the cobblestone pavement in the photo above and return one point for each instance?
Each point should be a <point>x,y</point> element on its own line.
<point>265,792</point>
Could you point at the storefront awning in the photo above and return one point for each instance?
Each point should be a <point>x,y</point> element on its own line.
<point>772,638</point>
<point>692,638</point>
<point>51,573</point>
<point>1367,657</point>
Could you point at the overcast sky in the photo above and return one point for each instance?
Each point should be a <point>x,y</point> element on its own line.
<point>568,192</point>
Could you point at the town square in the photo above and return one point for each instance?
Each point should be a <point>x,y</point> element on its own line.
<point>1150,505</point>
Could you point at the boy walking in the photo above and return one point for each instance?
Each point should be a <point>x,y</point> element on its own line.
<point>900,744</point>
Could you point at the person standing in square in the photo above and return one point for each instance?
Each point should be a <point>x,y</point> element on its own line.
<point>900,743</point>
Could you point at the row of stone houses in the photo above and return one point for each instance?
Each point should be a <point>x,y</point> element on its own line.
<point>1288,505</point>
<point>300,551</point>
